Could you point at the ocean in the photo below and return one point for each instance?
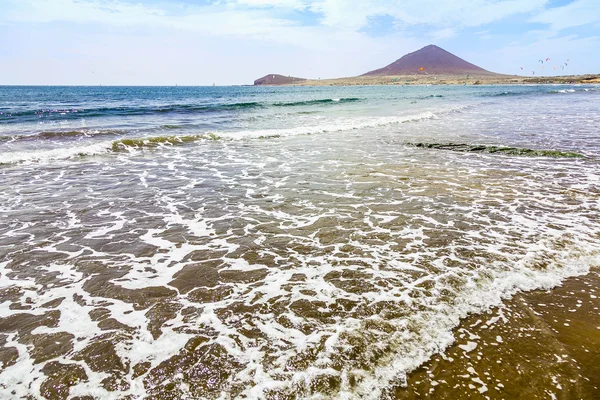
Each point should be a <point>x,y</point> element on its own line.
<point>277,242</point>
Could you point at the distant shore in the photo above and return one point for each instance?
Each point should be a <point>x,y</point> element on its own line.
<point>492,79</point>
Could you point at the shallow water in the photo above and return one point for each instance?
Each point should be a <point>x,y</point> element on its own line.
<point>276,242</point>
<point>537,345</point>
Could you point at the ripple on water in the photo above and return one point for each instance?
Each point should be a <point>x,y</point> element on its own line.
<point>328,282</point>
<point>327,266</point>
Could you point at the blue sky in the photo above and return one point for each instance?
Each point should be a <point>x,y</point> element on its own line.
<point>187,42</point>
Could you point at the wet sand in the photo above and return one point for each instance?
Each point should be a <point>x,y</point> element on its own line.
<point>321,262</point>
<point>539,345</point>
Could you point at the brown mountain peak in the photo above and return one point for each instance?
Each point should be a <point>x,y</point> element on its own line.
<point>429,60</point>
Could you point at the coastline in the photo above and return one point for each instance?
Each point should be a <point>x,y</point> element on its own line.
<point>492,79</point>
<point>353,230</point>
<point>538,345</point>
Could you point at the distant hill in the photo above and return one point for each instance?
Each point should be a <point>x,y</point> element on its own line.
<point>275,79</point>
<point>429,60</point>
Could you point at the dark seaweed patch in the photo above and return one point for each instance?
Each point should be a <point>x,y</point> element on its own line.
<point>156,141</point>
<point>509,151</point>
<point>56,135</point>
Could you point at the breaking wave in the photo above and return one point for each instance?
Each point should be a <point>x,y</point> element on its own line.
<point>128,144</point>
<point>17,157</point>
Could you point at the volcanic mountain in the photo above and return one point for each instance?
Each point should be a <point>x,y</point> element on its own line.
<point>429,60</point>
<point>275,79</point>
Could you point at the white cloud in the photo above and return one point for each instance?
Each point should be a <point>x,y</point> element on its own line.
<point>292,4</point>
<point>235,41</point>
<point>110,11</point>
<point>209,21</point>
<point>435,13</point>
<point>442,34</point>
<point>345,15</point>
<point>251,15</point>
<point>577,13</point>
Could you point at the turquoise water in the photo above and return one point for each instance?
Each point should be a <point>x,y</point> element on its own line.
<point>275,242</point>
<point>82,119</point>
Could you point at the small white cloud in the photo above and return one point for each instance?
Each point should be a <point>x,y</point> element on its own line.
<point>291,4</point>
<point>442,34</point>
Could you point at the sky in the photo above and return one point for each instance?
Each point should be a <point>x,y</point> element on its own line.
<point>201,42</point>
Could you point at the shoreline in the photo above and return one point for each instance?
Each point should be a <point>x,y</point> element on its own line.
<point>329,261</point>
<point>538,345</point>
<point>472,80</point>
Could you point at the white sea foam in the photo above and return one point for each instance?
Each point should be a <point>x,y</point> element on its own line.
<point>345,124</point>
<point>338,125</point>
<point>62,153</point>
<point>412,241</point>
